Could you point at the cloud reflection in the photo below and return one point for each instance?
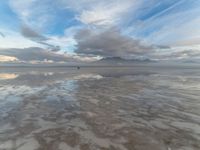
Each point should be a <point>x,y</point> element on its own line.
<point>5,76</point>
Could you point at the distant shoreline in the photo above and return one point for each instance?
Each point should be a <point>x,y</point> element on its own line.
<point>152,65</point>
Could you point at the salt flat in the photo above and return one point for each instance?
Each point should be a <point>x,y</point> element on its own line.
<point>120,108</point>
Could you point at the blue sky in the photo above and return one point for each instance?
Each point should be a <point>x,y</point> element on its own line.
<point>88,30</point>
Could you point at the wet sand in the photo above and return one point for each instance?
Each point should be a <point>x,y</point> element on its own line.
<point>99,109</point>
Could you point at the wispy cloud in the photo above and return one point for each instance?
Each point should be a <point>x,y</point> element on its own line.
<point>14,39</point>
<point>2,35</point>
<point>105,13</point>
<point>35,36</point>
<point>103,27</point>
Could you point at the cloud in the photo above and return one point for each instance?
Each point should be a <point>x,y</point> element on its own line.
<point>2,35</point>
<point>66,43</point>
<point>39,13</point>
<point>170,23</point>
<point>85,58</point>
<point>186,54</point>
<point>14,39</point>
<point>177,53</point>
<point>31,34</point>
<point>4,58</point>
<point>105,13</point>
<point>39,38</point>
<point>36,54</point>
<point>177,23</point>
<point>32,53</point>
<point>101,13</point>
<point>35,13</point>
<point>110,42</point>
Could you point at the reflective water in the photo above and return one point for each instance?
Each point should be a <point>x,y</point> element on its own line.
<point>139,108</point>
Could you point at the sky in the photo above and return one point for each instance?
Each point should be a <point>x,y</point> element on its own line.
<point>64,31</point>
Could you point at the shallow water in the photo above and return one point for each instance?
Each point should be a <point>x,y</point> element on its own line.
<point>139,108</point>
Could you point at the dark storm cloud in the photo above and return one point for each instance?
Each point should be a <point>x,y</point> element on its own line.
<point>33,53</point>
<point>109,43</point>
<point>29,33</point>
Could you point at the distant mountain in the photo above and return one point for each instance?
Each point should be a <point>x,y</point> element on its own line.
<point>106,59</point>
<point>191,61</point>
<point>119,60</point>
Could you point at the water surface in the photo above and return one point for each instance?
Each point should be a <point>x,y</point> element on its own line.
<point>138,108</point>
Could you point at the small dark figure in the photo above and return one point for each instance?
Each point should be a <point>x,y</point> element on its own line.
<point>78,67</point>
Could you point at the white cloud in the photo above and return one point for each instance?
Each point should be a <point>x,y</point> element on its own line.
<point>4,58</point>
<point>104,12</point>
<point>91,12</point>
